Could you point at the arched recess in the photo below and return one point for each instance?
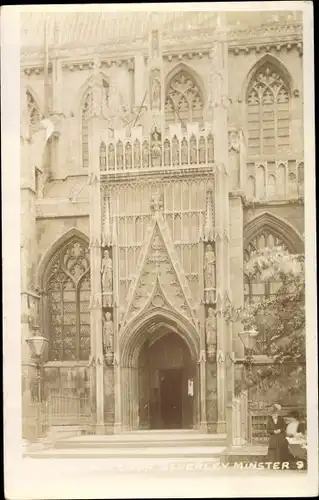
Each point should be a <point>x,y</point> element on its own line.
<point>85,108</point>
<point>59,242</point>
<point>277,226</point>
<point>66,294</point>
<point>266,59</point>
<point>141,339</point>
<point>147,327</point>
<point>266,230</point>
<point>184,95</point>
<point>78,109</point>
<point>64,278</point>
<point>267,95</point>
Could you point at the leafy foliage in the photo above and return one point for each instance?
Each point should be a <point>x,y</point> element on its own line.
<point>280,321</point>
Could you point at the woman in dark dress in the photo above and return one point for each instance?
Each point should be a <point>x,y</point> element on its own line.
<point>297,442</point>
<point>278,445</point>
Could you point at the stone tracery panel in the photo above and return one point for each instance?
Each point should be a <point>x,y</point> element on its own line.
<point>184,205</point>
<point>268,111</point>
<point>68,288</point>
<point>184,101</point>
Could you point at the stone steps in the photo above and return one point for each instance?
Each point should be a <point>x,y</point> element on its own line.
<point>138,445</point>
<point>191,453</point>
<point>143,439</point>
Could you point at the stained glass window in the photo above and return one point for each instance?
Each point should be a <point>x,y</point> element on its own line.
<point>268,112</point>
<point>184,102</point>
<point>68,290</point>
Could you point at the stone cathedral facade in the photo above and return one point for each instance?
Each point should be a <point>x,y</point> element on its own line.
<point>176,150</point>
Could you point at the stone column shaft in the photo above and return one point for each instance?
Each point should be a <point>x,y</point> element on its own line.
<point>95,261</point>
<point>139,79</point>
<point>237,264</point>
<point>219,101</point>
<point>202,337</point>
<point>28,260</point>
<point>220,287</point>
<point>116,319</point>
<point>156,93</point>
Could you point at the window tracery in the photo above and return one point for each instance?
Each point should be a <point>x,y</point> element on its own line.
<point>255,289</point>
<point>68,290</point>
<point>268,107</point>
<point>184,101</point>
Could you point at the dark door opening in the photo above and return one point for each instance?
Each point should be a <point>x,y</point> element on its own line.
<point>171,398</point>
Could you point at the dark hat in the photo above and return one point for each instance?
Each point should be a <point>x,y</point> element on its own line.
<point>293,414</point>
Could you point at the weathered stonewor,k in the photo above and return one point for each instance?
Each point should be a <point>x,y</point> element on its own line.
<point>172,157</point>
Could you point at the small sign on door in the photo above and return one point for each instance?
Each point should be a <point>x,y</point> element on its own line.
<point>190,387</point>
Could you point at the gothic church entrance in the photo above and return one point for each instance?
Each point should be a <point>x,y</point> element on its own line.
<point>167,384</point>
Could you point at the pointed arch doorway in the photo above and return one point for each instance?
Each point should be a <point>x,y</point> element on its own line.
<point>160,378</point>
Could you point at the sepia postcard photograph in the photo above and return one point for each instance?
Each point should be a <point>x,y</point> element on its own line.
<point>158,180</point>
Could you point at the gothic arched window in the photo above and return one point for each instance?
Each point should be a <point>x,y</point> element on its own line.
<point>87,101</point>
<point>68,292</point>
<point>268,112</point>
<point>255,289</point>
<point>184,101</point>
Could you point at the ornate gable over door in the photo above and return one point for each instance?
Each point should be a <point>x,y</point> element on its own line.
<point>160,281</point>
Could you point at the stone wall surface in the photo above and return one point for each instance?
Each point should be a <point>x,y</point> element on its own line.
<point>180,206</point>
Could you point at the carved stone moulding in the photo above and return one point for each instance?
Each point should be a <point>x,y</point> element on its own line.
<point>184,56</point>
<point>33,70</point>
<point>104,64</point>
<point>266,47</point>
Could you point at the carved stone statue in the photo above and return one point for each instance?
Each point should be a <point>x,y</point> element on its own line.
<point>137,154</point>
<point>108,332</point>
<point>111,157</point>
<point>175,151</point>
<point>145,155</point>
<point>201,148</point>
<point>156,154</point>
<point>167,153</point>
<point>209,267</point>
<point>210,327</point>
<point>107,273</point>
<point>193,151</point>
<point>184,152</point>
<point>210,149</point>
<point>119,154</point>
<point>128,156</point>
<point>155,90</point>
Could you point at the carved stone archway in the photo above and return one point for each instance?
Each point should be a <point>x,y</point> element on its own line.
<point>152,328</point>
<point>279,227</point>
